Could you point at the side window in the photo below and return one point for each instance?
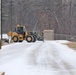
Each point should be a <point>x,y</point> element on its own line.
<point>24,29</point>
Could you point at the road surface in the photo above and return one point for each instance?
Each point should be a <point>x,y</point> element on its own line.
<point>39,58</point>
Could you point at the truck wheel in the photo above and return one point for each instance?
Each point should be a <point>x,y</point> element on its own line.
<point>29,38</point>
<point>15,38</point>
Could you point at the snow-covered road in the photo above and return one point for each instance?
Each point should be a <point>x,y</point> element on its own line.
<point>39,58</point>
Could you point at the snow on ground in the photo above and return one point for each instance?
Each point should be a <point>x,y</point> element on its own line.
<point>4,36</point>
<point>39,58</point>
<point>62,41</point>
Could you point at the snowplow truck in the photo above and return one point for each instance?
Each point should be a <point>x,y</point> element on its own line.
<point>21,34</point>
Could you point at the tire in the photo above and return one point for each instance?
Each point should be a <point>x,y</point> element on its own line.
<point>34,39</point>
<point>29,38</point>
<point>15,39</point>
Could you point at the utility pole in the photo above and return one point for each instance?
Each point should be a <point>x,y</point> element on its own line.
<point>0,27</point>
<point>11,19</point>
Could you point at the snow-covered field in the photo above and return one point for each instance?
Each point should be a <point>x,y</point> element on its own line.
<point>39,58</point>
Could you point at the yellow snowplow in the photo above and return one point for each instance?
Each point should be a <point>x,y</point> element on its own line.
<point>21,34</point>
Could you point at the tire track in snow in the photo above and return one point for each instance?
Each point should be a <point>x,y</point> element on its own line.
<point>50,57</point>
<point>13,52</point>
<point>47,56</point>
<point>40,56</point>
<point>33,53</point>
<point>44,55</point>
<point>66,68</point>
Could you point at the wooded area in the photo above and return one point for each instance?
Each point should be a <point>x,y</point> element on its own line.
<point>59,15</point>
